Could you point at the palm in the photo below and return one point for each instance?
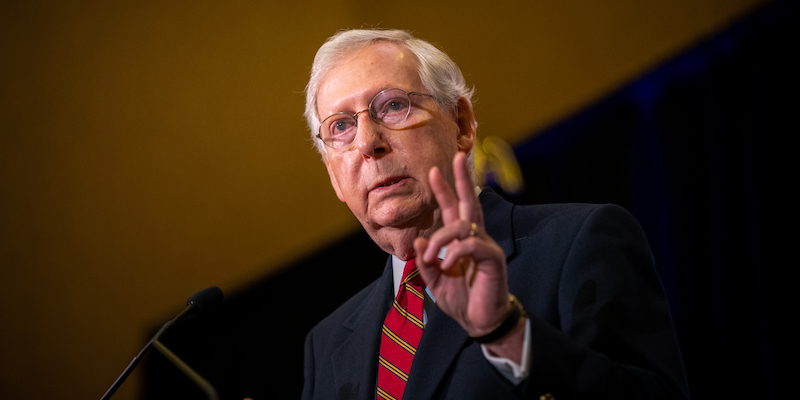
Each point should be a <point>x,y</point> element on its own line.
<point>470,284</point>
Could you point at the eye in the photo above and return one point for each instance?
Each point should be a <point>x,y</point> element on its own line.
<point>392,110</point>
<point>338,126</point>
<point>338,130</point>
<point>396,105</point>
<point>341,126</point>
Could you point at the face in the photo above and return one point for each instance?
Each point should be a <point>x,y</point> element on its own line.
<point>383,175</point>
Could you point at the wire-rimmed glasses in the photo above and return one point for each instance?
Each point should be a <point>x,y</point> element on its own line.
<point>390,108</point>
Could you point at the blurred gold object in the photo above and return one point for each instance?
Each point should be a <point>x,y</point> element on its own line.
<point>495,163</point>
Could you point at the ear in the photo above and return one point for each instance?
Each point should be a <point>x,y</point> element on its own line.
<point>334,182</point>
<point>467,126</point>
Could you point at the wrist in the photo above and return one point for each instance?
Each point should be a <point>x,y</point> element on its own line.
<point>506,324</point>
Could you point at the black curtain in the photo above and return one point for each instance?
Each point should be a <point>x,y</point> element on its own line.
<point>697,150</point>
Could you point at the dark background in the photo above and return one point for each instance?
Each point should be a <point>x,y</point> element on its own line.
<point>696,149</point>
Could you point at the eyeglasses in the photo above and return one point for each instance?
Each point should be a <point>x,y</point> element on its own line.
<point>391,108</point>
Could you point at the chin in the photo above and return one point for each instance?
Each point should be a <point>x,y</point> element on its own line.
<point>419,221</point>
<point>396,213</point>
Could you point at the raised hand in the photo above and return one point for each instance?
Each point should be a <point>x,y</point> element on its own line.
<point>471,283</point>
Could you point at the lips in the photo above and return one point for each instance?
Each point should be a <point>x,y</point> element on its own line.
<point>388,182</point>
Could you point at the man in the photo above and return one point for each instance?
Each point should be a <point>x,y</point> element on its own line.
<point>393,121</point>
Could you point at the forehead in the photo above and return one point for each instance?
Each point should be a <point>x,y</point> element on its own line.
<point>352,83</point>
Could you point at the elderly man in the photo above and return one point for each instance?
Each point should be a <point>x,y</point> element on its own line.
<point>554,301</point>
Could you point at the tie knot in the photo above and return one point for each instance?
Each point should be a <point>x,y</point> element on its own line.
<point>411,274</point>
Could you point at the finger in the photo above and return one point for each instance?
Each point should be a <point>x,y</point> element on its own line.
<point>445,236</point>
<point>444,196</point>
<point>478,250</point>
<point>465,188</point>
<point>429,270</point>
<point>461,249</point>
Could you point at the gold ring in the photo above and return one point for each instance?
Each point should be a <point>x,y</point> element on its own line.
<point>473,229</point>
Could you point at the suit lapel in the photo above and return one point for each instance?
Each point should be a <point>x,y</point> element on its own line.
<point>498,220</point>
<point>441,342</point>
<point>355,361</point>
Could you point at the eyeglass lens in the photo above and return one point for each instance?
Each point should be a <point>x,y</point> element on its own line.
<point>389,107</point>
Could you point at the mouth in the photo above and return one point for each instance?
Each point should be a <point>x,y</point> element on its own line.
<point>388,182</point>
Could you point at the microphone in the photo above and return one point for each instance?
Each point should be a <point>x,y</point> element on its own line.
<point>201,302</point>
<point>197,304</point>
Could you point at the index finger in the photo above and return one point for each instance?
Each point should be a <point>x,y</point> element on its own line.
<point>465,189</point>
<point>444,196</point>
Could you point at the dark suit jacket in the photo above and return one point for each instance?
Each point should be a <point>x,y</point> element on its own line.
<point>600,323</point>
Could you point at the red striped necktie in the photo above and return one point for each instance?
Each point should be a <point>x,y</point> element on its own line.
<point>402,331</point>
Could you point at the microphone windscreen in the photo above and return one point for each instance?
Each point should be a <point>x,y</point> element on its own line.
<point>205,299</point>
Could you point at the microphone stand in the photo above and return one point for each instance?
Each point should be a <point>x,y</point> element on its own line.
<point>197,304</point>
<point>186,369</point>
<point>136,360</point>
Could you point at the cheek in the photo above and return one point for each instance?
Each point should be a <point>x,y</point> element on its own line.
<point>348,179</point>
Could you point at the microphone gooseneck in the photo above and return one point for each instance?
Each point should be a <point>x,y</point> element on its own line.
<point>198,303</point>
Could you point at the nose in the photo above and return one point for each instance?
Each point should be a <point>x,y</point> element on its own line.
<point>370,139</point>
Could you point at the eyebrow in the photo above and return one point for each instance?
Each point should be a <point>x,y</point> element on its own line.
<point>375,93</point>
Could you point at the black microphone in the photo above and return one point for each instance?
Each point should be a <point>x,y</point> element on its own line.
<point>201,302</point>
<point>197,304</point>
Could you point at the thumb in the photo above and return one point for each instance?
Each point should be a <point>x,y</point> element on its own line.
<point>428,271</point>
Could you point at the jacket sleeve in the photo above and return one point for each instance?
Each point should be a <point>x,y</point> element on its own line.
<point>610,334</point>
<point>308,368</point>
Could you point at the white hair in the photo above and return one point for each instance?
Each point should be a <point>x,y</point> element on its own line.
<point>440,76</point>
